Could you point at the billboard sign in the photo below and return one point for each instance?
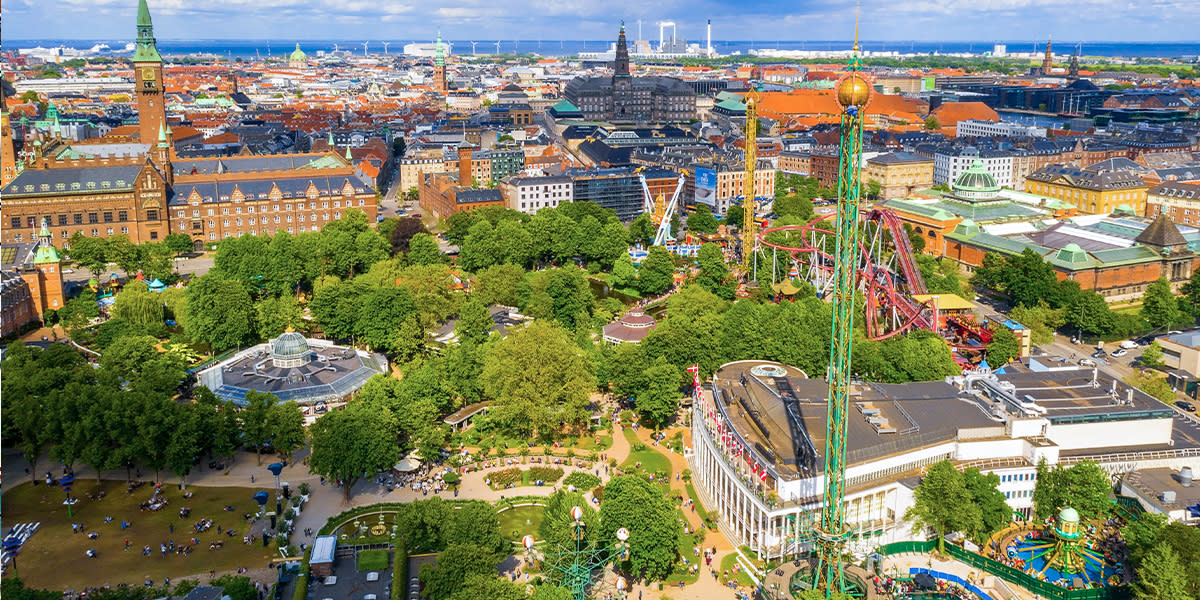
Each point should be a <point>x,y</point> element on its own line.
<point>706,187</point>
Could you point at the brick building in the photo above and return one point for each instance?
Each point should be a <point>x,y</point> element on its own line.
<point>1179,200</point>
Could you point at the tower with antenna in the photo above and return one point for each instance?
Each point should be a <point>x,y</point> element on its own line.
<point>439,66</point>
<point>853,92</point>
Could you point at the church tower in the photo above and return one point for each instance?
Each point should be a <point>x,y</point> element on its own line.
<point>45,278</point>
<point>439,67</point>
<point>1073,70</point>
<point>622,82</point>
<point>1048,60</point>
<point>147,68</point>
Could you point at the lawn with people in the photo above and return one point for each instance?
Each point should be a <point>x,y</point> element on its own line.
<point>186,536</point>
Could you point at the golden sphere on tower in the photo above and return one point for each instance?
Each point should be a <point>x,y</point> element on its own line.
<point>853,91</point>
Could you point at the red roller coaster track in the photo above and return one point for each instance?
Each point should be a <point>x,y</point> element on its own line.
<point>887,271</point>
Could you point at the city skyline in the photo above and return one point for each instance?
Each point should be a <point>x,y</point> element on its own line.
<point>957,20</point>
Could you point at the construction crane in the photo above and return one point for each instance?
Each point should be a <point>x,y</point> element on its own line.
<point>853,92</point>
<point>749,224</point>
<point>659,209</point>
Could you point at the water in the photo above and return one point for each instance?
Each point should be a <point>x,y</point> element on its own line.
<point>281,48</point>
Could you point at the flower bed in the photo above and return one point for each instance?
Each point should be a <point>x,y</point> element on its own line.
<point>506,477</point>
<point>547,474</point>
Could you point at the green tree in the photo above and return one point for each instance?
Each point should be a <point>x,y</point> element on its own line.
<point>381,316</point>
<point>500,284</point>
<point>337,306</point>
<point>220,312</point>
<point>654,530</point>
<point>714,273</point>
<point>624,275</point>
<point>994,511</point>
<point>1191,293</point>
<point>1154,384</point>
<point>456,564</point>
<point>127,356</point>
<point>658,400</point>
<point>474,322</point>
<point>424,525</point>
<point>347,443</point>
<point>943,503</point>
<point>555,528</point>
<point>1152,356</point>
<point>286,424</point>
<point>256,422</point>
<point>12,588</point>
<point>476,523</point>
<point>1083,486</point>
<point>1003,348</point>
<point>178,243</point>
<point>657,272</point>
<point>641,230</point>
<point>277,314</point>
<point>492,587</point>
<point>90,253</point>
<point>562,294</point>
<point>1159,306</point>
<point>1041,320</point>
<point>932,123</point>
<point>1161,576</point>
<point>423,250</point>
<point>702,220</point>
<point>1089,313</point>
<point>538,380</point>
<point>874,188</point>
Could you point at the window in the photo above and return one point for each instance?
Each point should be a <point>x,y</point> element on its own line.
<point>95,232</point>
<point>62,220</point>
<point>210,212</point>
<point>16,222</point>
<point>152,214</point>
<point>122,215</point>
<point>18,237</point>
<point>110,231</point>
<point>154,235</point>
<point>125,230</point>
<point>78,219</point>
<point>108,217</point>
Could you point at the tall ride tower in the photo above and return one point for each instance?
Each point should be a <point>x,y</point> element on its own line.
<point>749,225</point>
<point>147,68</point>
<point>853,91</point>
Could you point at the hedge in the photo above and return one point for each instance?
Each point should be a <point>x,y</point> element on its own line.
<point>399,573</point>
<point>301,591</point>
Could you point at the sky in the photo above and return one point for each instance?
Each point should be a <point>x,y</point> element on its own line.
<point>885,20</point>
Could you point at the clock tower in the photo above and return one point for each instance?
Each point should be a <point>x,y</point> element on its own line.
<point>147,67</point>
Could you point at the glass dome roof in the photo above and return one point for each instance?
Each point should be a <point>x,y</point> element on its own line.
<point>289,345</point>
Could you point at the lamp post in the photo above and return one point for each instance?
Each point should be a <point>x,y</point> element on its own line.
<point>276,468</point>
<point>261,498</point>
<point>65,482</point>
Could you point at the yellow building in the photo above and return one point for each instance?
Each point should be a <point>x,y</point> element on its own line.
<point>899,173</point>
<point>1097,189</point>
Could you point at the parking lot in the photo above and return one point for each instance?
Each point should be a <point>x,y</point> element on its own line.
<point>348,583</point>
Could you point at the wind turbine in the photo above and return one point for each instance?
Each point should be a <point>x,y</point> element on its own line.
<point>335,47</point>
<point>497,46</point>
<point>473,48</point>
<point>385,46</point>
<point>365,48</point>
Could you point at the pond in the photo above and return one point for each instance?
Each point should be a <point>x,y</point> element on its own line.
<point>518,522</point>
<point>602,290</point>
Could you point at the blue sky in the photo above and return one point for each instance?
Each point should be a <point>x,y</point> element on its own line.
<point>975,20</point>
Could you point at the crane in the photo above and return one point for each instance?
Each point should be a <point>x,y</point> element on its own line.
<point>749,225</point>
<point>853,92</point>
<point>660,210</point>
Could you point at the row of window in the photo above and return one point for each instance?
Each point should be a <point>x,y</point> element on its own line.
<point>256,221</point>
<point>1018,494</point>
<point>61,220</point>
<point>1018,477</point>
<point>94,232</point>
<point>237,210</point>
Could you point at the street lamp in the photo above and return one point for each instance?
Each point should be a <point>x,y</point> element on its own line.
<point>276,468</point>
<point>65,482</point>
<point>261,498</point>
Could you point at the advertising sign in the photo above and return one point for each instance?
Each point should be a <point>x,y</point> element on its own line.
<point>706,187</point>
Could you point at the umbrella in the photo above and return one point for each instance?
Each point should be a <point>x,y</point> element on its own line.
<point>925,581</point>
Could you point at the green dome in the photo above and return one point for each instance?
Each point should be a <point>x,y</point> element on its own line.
<point>1068,515</point>
<point>298,55</point>
<point>976,182</point>
<point>290,349</point>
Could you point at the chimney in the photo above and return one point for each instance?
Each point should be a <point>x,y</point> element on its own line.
<point>1185,477</point>
<point>464,165</point>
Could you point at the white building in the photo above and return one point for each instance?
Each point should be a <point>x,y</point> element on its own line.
<point>530,194</point>
<point>949,163</point>
<point>981,128</point>
<point>427,49</point>
<point>758,441</point>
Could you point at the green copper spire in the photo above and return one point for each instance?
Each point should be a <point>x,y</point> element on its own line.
<point>349,156</point>
<point>146,50</point>
<point>439,58</point>
<point>162,136</point>
<point>46,252</point>
<point>331,144</point>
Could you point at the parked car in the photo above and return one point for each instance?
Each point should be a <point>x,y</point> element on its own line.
<point>1087,362</point>
<point>1185,405</point>
<point>1119,353</point>
<point>1128,345</point>
<point>1099,354</point>
<point>68,271</point>
<point>1174,332</point>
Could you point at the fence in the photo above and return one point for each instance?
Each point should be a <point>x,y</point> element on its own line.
<point>1010,574</point>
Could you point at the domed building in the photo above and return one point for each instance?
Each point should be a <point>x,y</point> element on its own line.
<point>632,327</point>
<point>298,59</point>
<point>315,374</point>
<point>976,184</point>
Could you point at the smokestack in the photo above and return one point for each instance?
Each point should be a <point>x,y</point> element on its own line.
<point>464,165</point>
<point>709,33</point>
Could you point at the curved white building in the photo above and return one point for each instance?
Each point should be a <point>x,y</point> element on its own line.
<point>758,443</point>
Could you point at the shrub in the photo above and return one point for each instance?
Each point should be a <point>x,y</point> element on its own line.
<point>451,478</point>
<point>582,480</point>
<point>305,489</point>
<point>547,474</point>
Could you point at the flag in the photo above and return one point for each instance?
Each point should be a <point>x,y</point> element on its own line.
<point>763,476</point>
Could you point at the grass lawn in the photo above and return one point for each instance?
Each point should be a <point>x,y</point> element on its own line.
<point>686,545</point>
<point>373,560</point>
<point>728,562</point>
<point>54,558</point>
<point>518,522</point>
<point>703,514</point>
<point>652,460</point>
